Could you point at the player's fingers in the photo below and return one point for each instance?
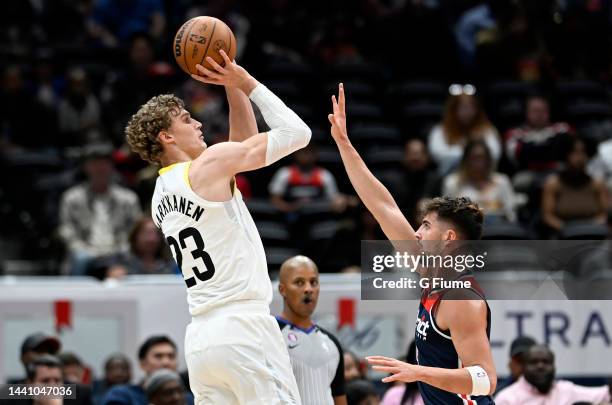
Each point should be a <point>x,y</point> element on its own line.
<point>390,370</point>
<point>335,104</point>
<point>341,100</point>
<point>382,363</point>
<point>373,359</point>
<point>226,58</point>
<point>207,72</point>
<point>379,358</point>
<point>203,79</point>
<point>391,378</point>
<point>220,69</point>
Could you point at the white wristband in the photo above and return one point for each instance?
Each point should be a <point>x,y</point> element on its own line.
<point>481,385</point>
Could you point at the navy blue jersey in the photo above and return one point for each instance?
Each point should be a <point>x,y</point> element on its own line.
<point>435,349</point>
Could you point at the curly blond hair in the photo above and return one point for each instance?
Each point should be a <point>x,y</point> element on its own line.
<point>143,127</point>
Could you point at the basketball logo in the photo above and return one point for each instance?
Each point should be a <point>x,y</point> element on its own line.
<point>219,44</point>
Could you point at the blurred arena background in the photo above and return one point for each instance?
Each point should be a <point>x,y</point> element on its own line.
<point>526,84</point>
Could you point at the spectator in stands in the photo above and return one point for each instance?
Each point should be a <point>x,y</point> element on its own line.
<point>73,368</point>
<point>361,392</point>
<point>538,145</point>
<point>35,346</point>
<point>418,180</point>
<point>469,25</point>
<point>476,178</point>
<point>157,352</point>
<point>165,387</point>
<point>464,120</point>
<point>405,393</point>
<point>601,165</point>
<point>95,216</point>
<point>44,370</point>
<point>538,384</point>
<point>314,351</point>
<point>337,42</point>
<point>25,122</point>
<point>47,370</point>
<point>572,194</point>
<point>47,84</point>
<point>141,76</point>
<point>516,364</point>
<point>114,21</point>
<point>340,250</point>
<point>117,370</point>
<point>148,253</point>
<point>353,369</point>
<point>79,112</point>
<point>303,182</point>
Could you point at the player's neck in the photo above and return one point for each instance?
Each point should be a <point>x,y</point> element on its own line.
<point>295,319</point>
<point>170,158</point>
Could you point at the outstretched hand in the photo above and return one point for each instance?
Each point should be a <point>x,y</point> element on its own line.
<point>400,371</point>
<point>230,75</point>
<point>338,118</point>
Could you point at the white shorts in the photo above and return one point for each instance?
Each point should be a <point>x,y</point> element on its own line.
<point>236,355</point>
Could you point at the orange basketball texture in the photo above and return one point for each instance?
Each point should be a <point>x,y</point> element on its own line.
<point>201,37</point>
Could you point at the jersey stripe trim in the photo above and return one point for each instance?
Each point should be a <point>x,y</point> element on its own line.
<point>433,324</point>
<point>186,174</point>
<point>167,168</point>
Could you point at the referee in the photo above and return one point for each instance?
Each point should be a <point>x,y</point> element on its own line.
<point>316,355</point>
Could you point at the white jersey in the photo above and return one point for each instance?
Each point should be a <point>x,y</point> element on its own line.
<point>216,244</point>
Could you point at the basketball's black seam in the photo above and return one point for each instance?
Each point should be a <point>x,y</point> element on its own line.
<point>212,35</point>
<point>185,46</point>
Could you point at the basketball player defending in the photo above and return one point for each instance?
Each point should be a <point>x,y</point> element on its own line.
<point>455,365</point>
<point>234,349</point>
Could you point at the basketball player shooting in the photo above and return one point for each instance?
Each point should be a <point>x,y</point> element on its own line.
<point>455,365</point>
<point>234,349</point>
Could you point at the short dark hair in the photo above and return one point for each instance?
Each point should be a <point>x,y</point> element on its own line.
<point>153,341</point>
<point>117,357</point>
<point>69,359</point>
<point>46,360</point>
<point>358,390</point>
<point>461,212</point>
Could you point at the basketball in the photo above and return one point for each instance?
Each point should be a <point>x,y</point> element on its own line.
<point>201,37</point>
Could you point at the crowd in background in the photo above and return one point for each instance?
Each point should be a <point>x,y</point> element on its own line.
<point>531,376</point>
<point>507,102</point>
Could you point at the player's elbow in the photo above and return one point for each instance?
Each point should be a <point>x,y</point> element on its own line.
<point>303,134</point>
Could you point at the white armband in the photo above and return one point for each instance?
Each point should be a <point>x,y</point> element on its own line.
<point>481,385</point>
<point>287,133</point>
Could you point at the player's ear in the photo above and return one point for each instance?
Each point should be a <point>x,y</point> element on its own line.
<point>450,235</point>
<point>281,290</point>
<point>165,137</point>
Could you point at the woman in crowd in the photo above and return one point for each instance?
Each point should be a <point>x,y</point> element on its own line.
<point>572,194</point>
<point>148,253</point>
<point>464,120</point>
<point>475,178</point>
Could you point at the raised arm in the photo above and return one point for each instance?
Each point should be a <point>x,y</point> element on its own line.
<point>372,192</point>
<point>287,133</point>
<point>242,123</point>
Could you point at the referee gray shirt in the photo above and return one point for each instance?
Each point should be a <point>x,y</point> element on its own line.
<point>317,361</point>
